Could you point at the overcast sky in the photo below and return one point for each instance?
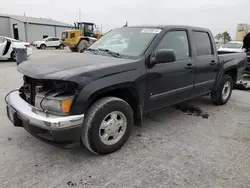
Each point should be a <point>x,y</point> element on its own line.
<point>217,15</point>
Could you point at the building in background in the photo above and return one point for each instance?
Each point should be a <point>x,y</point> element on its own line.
<point>242,31</point>
<point>30,28</point>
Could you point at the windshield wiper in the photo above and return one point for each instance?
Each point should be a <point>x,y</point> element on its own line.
<point>92,50</point>
<point>114,54</point>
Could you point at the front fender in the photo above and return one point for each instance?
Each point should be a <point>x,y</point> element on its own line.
<point>88,94</point>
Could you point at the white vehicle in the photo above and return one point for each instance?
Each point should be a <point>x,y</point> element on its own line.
<point>49,42</point>
<point>232,46</point>
<point>6,47</point>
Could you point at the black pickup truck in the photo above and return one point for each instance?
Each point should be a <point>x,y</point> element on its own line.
<point>95,97</point>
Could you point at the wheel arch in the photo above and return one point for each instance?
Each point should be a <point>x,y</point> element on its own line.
<point>42,44</point>
<point>125,91</point>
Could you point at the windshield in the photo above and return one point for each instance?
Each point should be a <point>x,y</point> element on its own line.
<point>233,45</point>
<point>131,42</point>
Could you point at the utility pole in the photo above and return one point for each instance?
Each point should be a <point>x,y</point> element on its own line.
<point>79,15</point>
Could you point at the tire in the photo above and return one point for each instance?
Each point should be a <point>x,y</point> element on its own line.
<point>61,47</point>
<point>99,140</point>
<point>13,56</point>
<point>73,49</point>
<point>43,46</point>
<point>221,96</point>
<point>82,46</point>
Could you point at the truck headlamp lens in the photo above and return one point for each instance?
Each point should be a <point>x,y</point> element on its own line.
<point>54,104</point>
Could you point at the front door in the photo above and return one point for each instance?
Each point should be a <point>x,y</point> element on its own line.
<point>3,44</point>
<point>168,83</point>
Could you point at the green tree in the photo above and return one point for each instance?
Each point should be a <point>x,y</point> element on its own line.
<point>218,37</point>
<point>226,37</point>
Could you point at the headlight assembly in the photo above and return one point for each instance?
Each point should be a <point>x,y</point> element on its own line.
<point>54,104</point>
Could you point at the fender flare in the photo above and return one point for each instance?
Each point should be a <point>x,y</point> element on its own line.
<point>91,91</point>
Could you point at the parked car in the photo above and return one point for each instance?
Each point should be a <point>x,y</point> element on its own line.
<point>232,46</point>
<point>96,97</point>
<point>49,42</point>
<point>8,44</point>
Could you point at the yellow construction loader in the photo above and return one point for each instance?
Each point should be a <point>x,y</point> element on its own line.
<point>81,37</point>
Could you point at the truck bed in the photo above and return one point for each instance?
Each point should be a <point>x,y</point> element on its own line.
<point>237,60</point>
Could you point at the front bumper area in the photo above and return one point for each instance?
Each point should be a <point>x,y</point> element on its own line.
<point>62,131</point>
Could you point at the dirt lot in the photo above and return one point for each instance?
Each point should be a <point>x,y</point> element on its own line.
<point>172,149</point>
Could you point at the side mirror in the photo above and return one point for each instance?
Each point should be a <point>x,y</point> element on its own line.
<point>164,56</point>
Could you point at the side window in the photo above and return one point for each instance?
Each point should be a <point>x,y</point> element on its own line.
<point>72,35</point>
<point>202,44</point>
<point>177,41</point>
<point>56,39</point>
<point>50,39</point>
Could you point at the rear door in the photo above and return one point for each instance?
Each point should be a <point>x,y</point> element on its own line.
<point>56,42</point>
<point>49,42</point>
<point>168,83</point>
<point>206,63</point>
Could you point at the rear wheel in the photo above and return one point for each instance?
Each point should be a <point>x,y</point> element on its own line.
<point>43,46</point>
<point>107,125</point>
<point>61,47</point>
<point>224,90</point>
<point>82,46</point>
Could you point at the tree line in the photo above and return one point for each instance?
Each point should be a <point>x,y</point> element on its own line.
<point>224,37</point>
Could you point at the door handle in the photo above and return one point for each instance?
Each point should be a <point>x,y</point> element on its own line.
<point>189,66</point>
<point>212,62</point>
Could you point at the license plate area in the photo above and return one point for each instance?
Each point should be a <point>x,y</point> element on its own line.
<point>13,117</point>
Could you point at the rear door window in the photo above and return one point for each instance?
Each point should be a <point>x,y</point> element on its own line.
<point>50,39</point>
<point>202,44</point>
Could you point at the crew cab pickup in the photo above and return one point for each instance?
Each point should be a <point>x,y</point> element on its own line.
<point>95,97</point>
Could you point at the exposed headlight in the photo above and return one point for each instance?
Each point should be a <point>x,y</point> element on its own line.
<point>54,104</point>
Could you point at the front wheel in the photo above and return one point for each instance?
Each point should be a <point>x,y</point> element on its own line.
<point>107,126</point>
<point>73,49</point>
<point>224,91</point>
<point>82,46</point>
<point>13,56</point>
<point>43,46</point>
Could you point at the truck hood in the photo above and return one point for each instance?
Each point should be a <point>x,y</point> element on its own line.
<point>71,66</point>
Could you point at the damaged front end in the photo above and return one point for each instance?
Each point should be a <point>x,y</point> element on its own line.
<point>43,107</point>
<point>50,96</point>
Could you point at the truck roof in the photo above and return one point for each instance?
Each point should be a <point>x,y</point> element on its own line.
<point>170,26</point>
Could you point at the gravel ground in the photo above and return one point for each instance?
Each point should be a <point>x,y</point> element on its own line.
<point>171,149</point>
